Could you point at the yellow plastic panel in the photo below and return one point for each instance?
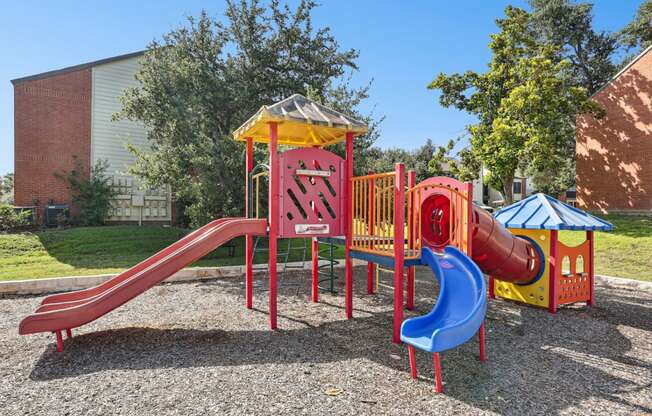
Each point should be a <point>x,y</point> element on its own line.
<point>536,293</point>
<point>292,133</point>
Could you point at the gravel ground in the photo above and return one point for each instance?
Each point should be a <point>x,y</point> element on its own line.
<point>193,348</point>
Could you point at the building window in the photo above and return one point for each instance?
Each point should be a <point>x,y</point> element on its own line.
<point>517,187</point>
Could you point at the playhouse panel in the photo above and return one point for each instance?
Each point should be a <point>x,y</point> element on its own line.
<point>536,293</point>
<point>573,281</point>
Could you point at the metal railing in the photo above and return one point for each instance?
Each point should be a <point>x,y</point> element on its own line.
<point>373,213</point>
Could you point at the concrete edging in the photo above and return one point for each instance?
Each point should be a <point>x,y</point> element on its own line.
<point>69,283</point>
<point>65,284</point>
<point>611,281</point>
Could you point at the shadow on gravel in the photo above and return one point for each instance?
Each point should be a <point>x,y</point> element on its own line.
<point>538,363</point>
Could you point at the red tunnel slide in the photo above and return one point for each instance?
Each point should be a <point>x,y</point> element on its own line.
<point>70,310</point>
<point>497,252</point>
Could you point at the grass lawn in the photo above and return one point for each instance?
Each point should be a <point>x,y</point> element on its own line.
<point>625,252</point>
<point>101,250</point>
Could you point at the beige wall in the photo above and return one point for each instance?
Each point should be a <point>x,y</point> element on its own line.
<point>109,141</point>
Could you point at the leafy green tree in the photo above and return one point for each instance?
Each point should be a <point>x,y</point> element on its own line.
<point>422,157</point>
<point>10,220</point>
<point>93,194</point>
<point>638,33</point>
<point>386,160</point>
<point>569,26</point>
<point>203,80</point>
<point>345,99</point>
<point>7,189</point>
<point>462,164</point>
<point>525,104</point>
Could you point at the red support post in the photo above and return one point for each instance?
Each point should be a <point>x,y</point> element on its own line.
<point>274,218</point>
<point>412,181</point>
<point>481,336</point>
<point>372,225</point>
<point>590,237</point>
<point>315,270</point>
<point>348,203</point>
<point>413,361</point>
<point>68,333</point>
<point>492,284</point>
<point>439,388</point>
<point>249,240</point>
<point>468,190</point>
<point>370,278</point>
<point>59,341</point>
<point>552,298</point>
<point>399,248</point>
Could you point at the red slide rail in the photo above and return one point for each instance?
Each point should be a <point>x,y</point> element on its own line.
<point>196,246</point>
<point>64,300</point>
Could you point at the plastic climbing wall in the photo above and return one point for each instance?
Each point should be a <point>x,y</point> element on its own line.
<point>312,184</point>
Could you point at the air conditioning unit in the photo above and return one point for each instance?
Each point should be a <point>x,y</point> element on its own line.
<point>52,211</point>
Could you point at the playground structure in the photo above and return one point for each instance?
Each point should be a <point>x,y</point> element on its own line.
<point>385,219</point>
<point>567,273</point>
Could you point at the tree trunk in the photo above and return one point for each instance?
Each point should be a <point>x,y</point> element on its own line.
<point>508,188</point>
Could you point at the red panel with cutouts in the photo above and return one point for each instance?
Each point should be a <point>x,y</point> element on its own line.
<point>573,280</point>
<point>311,193</point>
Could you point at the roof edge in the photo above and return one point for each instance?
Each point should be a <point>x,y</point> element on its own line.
<point>74,68</point>
<point>622,70</point>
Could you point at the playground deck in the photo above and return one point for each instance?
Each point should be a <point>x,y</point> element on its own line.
<point>194,349</point>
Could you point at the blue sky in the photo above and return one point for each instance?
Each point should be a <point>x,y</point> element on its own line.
<point>402,45</point>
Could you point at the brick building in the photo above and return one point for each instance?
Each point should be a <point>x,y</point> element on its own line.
<point>66,114</point>
<point>614,154</point>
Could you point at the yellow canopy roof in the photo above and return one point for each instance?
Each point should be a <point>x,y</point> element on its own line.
<point>301,122</point>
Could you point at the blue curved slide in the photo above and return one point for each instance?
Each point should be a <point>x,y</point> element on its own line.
<point>460,308</point>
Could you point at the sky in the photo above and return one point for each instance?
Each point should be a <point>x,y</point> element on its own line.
<point>403,45</point>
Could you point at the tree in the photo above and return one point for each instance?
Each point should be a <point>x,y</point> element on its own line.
<point>345,99</point>
<point>93,194</point>
<point>422,157</point>
<point>525,104</point>
<point>569,26</point>
<point>7,189</point>
<point>638,33</point>
<point>463,164</point>
<point>386,160</point>
<point>202,81</point>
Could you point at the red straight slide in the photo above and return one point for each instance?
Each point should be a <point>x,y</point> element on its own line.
<point>71,310</point>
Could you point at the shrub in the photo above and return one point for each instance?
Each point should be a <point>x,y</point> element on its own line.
<point>10,220</point>
<point>93,195</point>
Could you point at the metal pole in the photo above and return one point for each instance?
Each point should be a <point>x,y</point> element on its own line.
<point>348,265</point>
<point>552,298</point>
<point>249,242</point>
<point>315,269</point>
<point>273,219</point>
<point>412,179</point>
<point>399,251</point>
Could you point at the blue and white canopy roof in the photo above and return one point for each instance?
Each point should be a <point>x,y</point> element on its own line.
<point>541,211</point>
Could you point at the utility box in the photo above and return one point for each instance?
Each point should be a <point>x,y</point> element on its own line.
<point>53,211</point>
<point>138,200</point>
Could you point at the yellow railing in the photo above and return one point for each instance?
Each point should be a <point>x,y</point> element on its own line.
<point>459,207</point>
<point>256,179</point>
<point>373,213</point>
